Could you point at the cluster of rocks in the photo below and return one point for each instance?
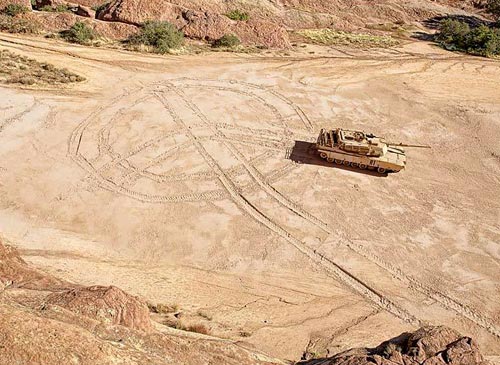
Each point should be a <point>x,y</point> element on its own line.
<point>268,23</point>
<point>46,320</point>
<point>433,345</point>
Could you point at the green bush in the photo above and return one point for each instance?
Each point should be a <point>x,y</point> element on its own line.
<point>160,35</point>
<point>228,41</point>
<point>453,34</point>
<point>481,40</point>
<point>484,41</point>
<point>60,8</point>
<point>238,15</point>
<point>79,33</point>
<point>14,9</point>
<point>16,25</point>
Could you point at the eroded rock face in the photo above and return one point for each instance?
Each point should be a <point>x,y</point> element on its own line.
<point>56,22</point>
<point>427,346</point>
<point>107,304</point>
<point>15,272</point>
<point>198,24</point>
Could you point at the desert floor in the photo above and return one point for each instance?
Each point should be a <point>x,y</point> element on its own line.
<point>187,180</point>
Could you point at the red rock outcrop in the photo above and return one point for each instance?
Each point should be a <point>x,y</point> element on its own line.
<point>205,25</point>
<point>56,22</point>
<point>427,346</point>
<point>110,305</point>
<point>15,272</point>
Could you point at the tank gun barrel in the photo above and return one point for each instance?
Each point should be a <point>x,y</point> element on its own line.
<point>408,145</point>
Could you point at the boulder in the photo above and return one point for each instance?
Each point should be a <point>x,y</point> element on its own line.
<point>429,345</point>
<point>56,22</point>
<point>204,25</point>
<point>16,273</point>
<point>85,11</point>
<point>107,304</point>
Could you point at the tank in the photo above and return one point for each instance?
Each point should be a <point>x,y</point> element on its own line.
<point>361,150</point>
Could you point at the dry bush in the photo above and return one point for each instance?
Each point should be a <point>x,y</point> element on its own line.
<point>17,69</point>
<point>162,308</point>
<point>198,328</point>
<point>333,37</point>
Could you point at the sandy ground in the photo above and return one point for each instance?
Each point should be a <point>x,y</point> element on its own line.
<point>184,179</point>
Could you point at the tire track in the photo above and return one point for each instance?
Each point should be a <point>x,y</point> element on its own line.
<point>331,267</point>
<point>444,300</point>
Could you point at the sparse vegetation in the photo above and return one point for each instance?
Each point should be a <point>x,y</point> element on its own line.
<point>333,37</point>
<point>15,9</point>
<point>482,40</point>
<point>197,327</point>
<point>390,348</point>
<point>79,33</point>
<point>17,69</point>
<point>227,41</point>
<point>161,308</point>
<point>158,36</point>
<point>238,15</point>
<point>16,25</point>
<point>59,8</point>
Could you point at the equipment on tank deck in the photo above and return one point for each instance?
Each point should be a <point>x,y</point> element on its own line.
<point>361,150</point>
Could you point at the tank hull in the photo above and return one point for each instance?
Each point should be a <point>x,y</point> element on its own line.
<point>393,161</point>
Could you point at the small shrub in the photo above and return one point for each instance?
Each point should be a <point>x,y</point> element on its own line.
<point>198,328</point>
<point>161,36</point>
<point>79,33</point>
<point>15,9</point>
<point>484,41</point>
<point>161,308</point>
<point>60,8</point>
<point>228,41</point>
<point>453,34</point>
<point>238,15</point>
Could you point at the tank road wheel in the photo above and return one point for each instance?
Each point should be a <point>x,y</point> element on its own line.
<point>354,164</point>
<point>338,162</point>
<point>381,170</point>
<point>362,166</point>
<point>330,159</point>
<point>323,155</point>
<point>346,163</point>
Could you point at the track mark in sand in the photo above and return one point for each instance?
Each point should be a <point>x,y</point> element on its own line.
<point>444,300</point>
<point>271,139</point>
<point>331,267</point>
<point>119,172</point>
<point>17,117</point>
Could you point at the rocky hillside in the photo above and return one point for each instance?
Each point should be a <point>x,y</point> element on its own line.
<point>49,321</point>
<point>426,346</point>
<point>264,22</point>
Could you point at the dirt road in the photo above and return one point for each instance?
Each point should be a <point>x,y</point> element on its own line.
<point>184,179</point>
